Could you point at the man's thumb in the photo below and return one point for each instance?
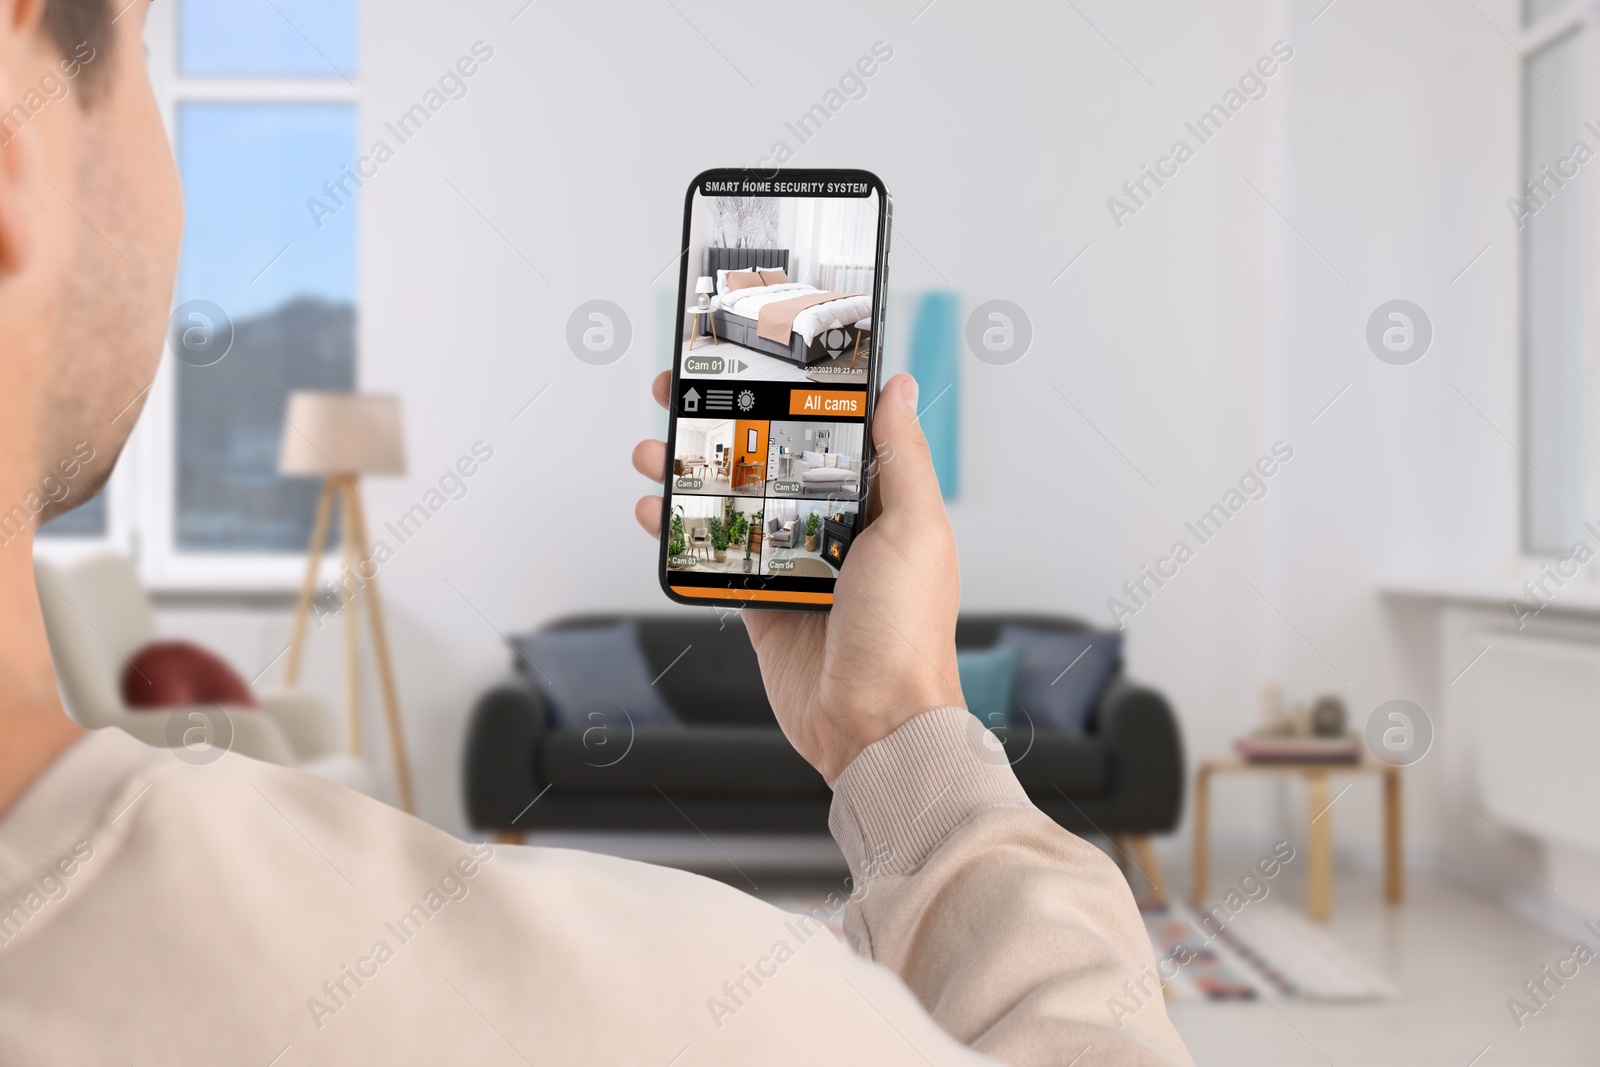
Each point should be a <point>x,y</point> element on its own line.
<point>903,467</point>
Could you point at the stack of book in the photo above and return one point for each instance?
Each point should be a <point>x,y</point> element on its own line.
<point>1299,748</point>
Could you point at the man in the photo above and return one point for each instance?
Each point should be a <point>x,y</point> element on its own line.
<point>157,913</point>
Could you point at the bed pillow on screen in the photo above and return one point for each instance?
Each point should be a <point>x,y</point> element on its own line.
<point>591,669</point>
<point>743,279</point>
<point>722,277</point>
<point>774,277</point>
<point>812,459</point>
<point>988,676</point>
<point>1061,675</point>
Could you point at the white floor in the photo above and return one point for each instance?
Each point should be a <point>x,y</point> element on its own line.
<point>1456,956</point>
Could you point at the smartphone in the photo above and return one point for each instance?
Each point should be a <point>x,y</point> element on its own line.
<point>774,374</point>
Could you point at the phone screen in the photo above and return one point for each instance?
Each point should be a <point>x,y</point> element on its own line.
<point>775,369</point>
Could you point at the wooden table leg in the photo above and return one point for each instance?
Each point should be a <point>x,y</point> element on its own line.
<point>1119,850</point>
<point>1394,876</point>
<point>1202,830</point>
<point>694,331</point>
<point>1319,834</point>
<point>711,320</point>
<point>1150,866</point>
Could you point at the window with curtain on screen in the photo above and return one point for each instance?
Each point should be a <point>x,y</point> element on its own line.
<point>261,102</point>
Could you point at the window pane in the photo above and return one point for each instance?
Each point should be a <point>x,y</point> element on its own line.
<point>1553,289</point>
<point>252,247</point>
<point>305,38</point>
<point>89,520</point>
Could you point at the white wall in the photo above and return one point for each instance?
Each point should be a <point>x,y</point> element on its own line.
<point>1221,317</point>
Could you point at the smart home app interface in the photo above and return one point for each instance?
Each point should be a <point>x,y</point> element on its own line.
<point>775,357</point>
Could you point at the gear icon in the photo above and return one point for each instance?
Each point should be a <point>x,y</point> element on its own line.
<point>747,400</point>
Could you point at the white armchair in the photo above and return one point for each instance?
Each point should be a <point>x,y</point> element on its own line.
<point>98,617</point>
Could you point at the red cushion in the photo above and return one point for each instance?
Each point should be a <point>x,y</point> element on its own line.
<point>170,674</point>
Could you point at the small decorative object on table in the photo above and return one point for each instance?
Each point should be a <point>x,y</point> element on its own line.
<point>1303,736</point>
<point>1272,718</point>
<point>1328,717</point>
<point>704,287</point>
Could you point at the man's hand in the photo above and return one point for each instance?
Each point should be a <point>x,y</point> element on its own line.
<point>838,681</point>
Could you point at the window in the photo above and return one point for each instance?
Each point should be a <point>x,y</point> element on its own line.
<point>1553,212</point>
<point>260,100</point>
<point>247,169</point>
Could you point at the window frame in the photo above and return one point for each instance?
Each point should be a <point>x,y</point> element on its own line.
<point>1532,39</point>
<point>149,504</point>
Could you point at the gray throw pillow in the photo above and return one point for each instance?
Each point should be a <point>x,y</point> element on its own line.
<point>1062,674</point>
<point>595,671</point>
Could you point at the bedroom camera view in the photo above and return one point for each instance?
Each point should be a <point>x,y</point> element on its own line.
<point>780,288</point>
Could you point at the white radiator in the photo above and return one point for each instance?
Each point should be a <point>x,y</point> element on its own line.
<point>1535,705</point>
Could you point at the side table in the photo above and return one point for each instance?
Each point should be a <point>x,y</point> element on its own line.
<point>1319,825</point>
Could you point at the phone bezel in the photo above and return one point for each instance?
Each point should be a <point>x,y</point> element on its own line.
<point>874,352</point>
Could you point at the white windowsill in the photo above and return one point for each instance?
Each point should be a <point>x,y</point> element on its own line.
<point>1579,595</point>
<point>256,580</point>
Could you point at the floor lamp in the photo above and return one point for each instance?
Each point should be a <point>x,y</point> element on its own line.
<point>339,437</point>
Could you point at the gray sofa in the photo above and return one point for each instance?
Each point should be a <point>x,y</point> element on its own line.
<point>729,769</point>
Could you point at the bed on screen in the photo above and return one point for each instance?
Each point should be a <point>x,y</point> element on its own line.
<point>783,318</point>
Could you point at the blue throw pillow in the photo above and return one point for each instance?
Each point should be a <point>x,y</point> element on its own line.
<point>595,670</point>
<point>1062,675</point>
<point>987,678</point>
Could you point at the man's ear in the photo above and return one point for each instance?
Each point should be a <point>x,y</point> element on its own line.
<point>14,232</point>
<point>19,23</point>
<point>22,16</point>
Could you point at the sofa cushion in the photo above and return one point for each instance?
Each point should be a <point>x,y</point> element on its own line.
<point>1079,766</point>
<point>596,671</point>
<point>1062,675</point>
<point>988,676</point>
<point>706,669</point>
<point>728,761</point>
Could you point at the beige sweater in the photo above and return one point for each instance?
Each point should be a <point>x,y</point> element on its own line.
<point>157,913</point>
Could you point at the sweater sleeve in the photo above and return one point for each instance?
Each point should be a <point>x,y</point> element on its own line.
<point>1022,940</point>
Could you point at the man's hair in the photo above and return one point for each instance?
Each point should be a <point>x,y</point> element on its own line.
<point>71,23</point>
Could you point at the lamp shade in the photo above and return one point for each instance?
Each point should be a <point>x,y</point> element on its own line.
<point>343,433</point>
<point>705,285</point>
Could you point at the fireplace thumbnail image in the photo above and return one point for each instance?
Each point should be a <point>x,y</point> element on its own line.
<point>807,538</point>
<point>836,535</point>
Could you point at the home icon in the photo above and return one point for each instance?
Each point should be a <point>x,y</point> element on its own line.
<point>691,401</point>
